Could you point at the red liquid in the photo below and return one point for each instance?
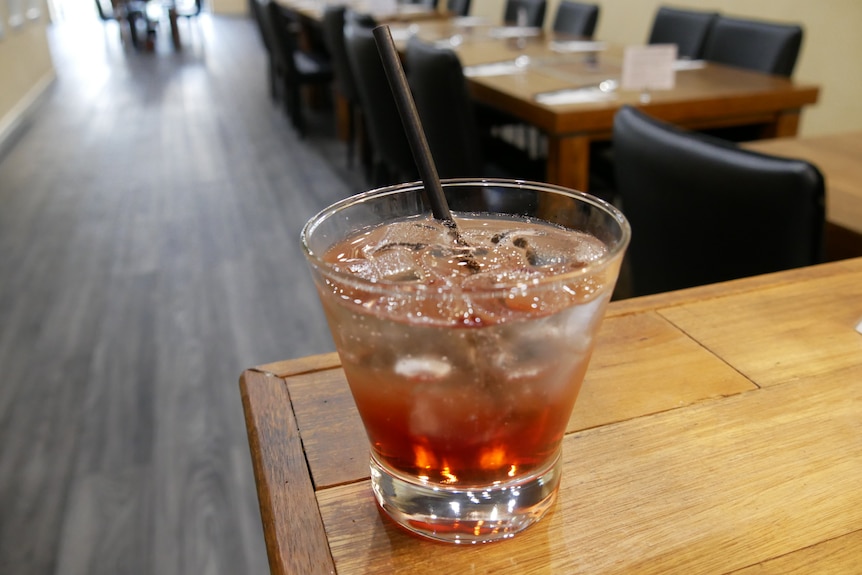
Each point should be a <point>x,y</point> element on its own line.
<point>458,435</point>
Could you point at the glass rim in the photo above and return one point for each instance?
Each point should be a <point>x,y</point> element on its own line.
<point>385,285</point>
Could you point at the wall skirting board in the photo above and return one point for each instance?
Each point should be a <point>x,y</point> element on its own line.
<point>13,122</point>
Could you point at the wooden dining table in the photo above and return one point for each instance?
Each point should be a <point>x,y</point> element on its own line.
<point>705,95</point>
<point>718,430</point>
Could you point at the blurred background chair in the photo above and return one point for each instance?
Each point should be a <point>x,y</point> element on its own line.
<point>458,7</point>
<point>105,10</point>
<point>688,29</point>
<point>754,45</point>
<point>703,210</point>
<point>297,68</point>
<point>262,20</point>
<point>188,9</point>
<point>766,47</point>
<point>459,146</point>
<point>533,11</point>
<point>391,158</point>
<point>576,18</point>
<point>430,4</point>
<point>345,84</point>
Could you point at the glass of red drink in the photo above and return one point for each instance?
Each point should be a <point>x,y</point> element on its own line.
<point>465,347</point>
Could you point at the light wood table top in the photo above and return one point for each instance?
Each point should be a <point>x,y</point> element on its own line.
<point>718,431</point>
<point>839,157</point>
<point>708,96</point>
<point>313,10</point>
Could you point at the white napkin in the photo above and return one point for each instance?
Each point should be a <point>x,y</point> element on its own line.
<point>514,32</point>
<point>469,21</point>
<point>401,34</point>
<point>577,46</point>
<point>575,96</point>
<point>679,65</point>
<point>495,69</point>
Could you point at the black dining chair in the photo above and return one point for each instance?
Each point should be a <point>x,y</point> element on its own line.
<point>261,19</point>
<point>703,210</point>
<point>392,160</point>
<point>295,67</point>
<point>576,18</point>
<point>430,4</point>
<point>457,142</point>
<point>767,47</point>
<point>345,83</point>
<point>105,10</point>
<point>458,7</point>
<point>534,11</point>
<point>189,9</point>
<point>686,28</point>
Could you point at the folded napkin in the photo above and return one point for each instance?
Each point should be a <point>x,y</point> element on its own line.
<point>577,46</point>
<point>402,34</point>
<point>574,96</point>
<point>680,65</point>
<point>514,32</point>
<point>495,69</point>
<point>469,21</point>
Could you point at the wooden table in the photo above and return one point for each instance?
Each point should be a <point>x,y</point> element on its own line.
<point>839,157</point>
<point>313,10</point>
<point>707,97</point>
<point>719,430</point>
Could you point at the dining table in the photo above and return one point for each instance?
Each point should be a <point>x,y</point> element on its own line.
<point>838,156</point>
<point>569,88</point>
<point>382,11</point>
<point>718,430</point>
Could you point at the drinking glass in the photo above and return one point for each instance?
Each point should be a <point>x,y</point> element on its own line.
<point>465,346</point>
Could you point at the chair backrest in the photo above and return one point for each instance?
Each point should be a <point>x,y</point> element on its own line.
<point>534,9</point>
<point>762,46</point>
<point>703,210</point>
<point>688,29</point>
<point>106,12</point>
<point>439,89</point>
<point>430,4</point>
<point>576,18</point>
<point>189,8</point>
<point>333,34</point>
<point>260,17</point>
<point>282,33</point>
<point>385,130</point>
<point>458,7</point>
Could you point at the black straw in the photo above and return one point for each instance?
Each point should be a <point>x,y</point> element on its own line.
<point>412,124</point>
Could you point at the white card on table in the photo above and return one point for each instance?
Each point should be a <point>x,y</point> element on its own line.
<point>649,67</point>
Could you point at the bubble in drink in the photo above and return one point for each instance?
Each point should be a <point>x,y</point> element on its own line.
<point>466,374</point>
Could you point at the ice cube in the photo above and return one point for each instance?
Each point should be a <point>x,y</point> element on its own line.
<point>572,250</point>
<point>396,262</point>
<point>424,368</point>
<point>451,264</point>
<point>358,267</point>
<point>413,235</point>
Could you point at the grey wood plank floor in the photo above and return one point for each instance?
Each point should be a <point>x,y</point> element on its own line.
<point>149,221</point>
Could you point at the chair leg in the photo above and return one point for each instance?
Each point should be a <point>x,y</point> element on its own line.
<point>294,107</point>
<point>273,80</point>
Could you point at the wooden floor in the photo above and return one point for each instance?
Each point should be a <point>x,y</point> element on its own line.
<point>149,222</point>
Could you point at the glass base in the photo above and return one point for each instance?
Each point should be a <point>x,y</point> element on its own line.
<point>476,514</point>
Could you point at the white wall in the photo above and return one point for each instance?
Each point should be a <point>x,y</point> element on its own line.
<point>26,69</point>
